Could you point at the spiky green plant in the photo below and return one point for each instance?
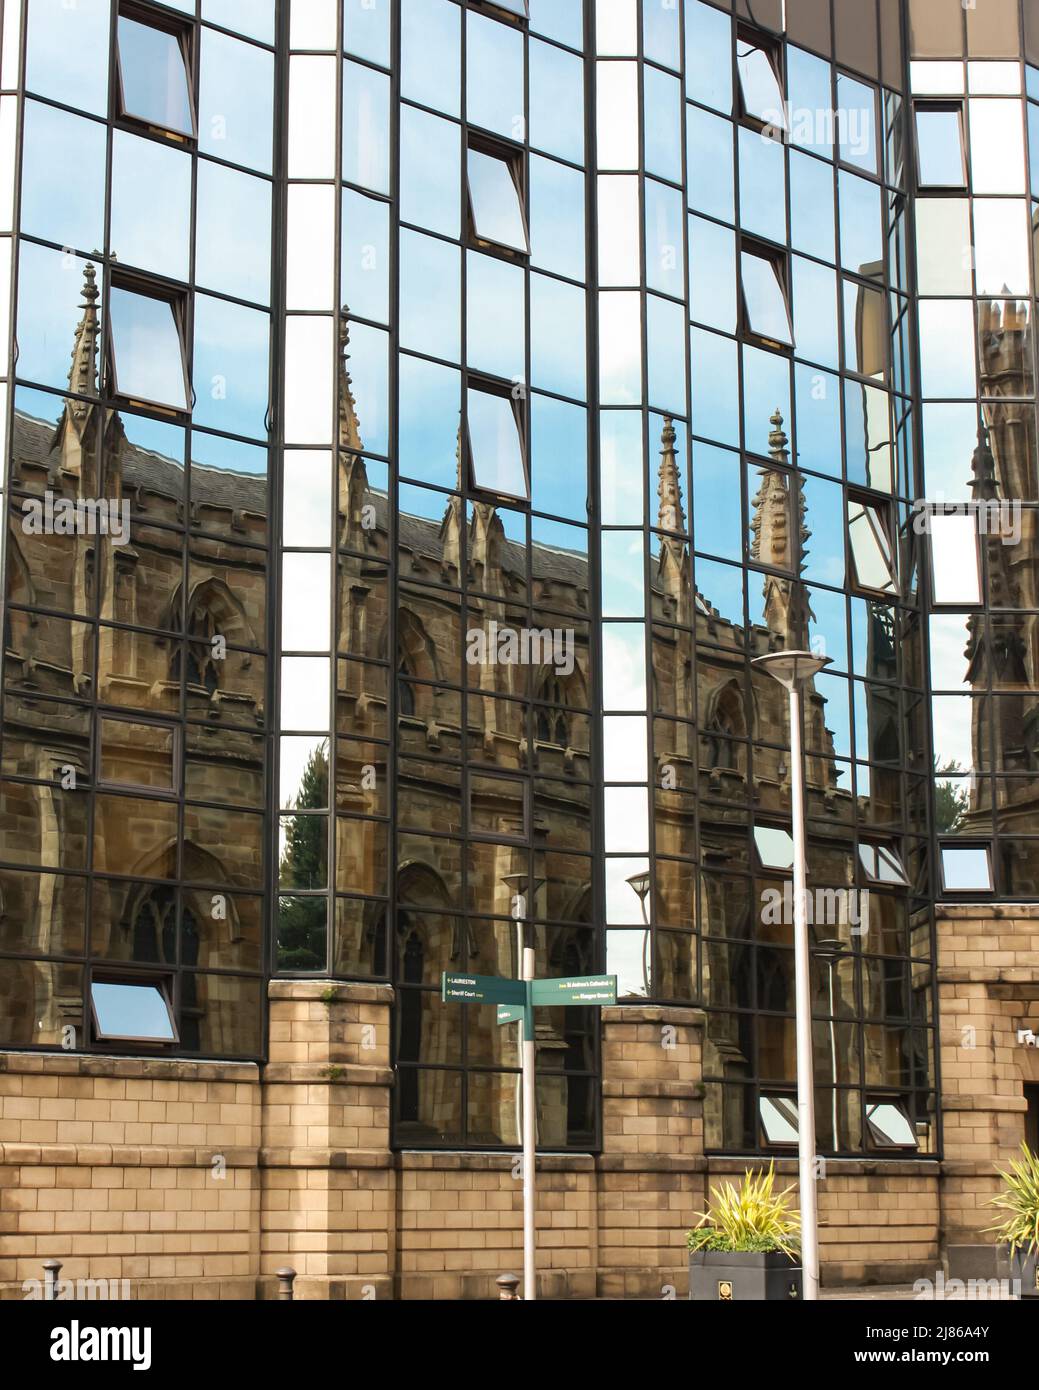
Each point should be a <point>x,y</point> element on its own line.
<point>750,1217</point>
<point>1021,1199</point>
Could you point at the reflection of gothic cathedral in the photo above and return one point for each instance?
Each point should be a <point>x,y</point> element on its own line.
<point>163,607</point>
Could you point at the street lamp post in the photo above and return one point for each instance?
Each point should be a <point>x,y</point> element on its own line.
<point>831,949</point>
<point>640,884</point>
<point>793,670</point>
<point>517,884</point>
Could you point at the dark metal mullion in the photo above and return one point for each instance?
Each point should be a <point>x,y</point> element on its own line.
<point>392,525</point>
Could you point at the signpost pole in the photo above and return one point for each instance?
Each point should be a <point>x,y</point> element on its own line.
<point>529,1124</point>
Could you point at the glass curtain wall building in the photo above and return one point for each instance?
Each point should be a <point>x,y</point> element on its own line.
<point>420,414</point>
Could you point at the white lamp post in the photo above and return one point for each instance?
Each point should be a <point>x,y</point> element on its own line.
<point>640,884</point>
<point>517,884</point>
<point>794,670</point>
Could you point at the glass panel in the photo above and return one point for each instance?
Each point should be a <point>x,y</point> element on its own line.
<point>618,230</point>
<point>759,83</point>
<point>312,105</point>
<point>429,296</point>
<point>947,348</point>
<point>890,1126</point>
<point>430,33</point>
<point>856,123</point>
<point>617,120</point>
<point>620,358</point>
<point>66,52</point>
<point>997,153</point>
<point>231,367</point>
<point>662,96</point>
<point>63,160</point>
<point>815,311</point>
<point>305,700</point>
<point>623,579</point>
<point>775,847</point>
<point>495,317</point>
<point>495,201</point>
<point>306,602</point>
<point>862,248</point>
<point>557,101</point>
<point>495,445</point>
<point>559,463</point>
<point>236,102</point>
<point>153,76</point>
<point>709,155</point>
<point>232,243</point>
<point>624,666</point>
<point>137,755</point>
<point>494,77</point>
<point>366,122</point>
<point>939,145</point>
<point>557,217</point>
<point>764,299</point>
<point>307,498</point>
<point>811,206</point>
<point>616,28</point>
<point>708,56</point>
<point>943,251</point>
<point>1001,246</point>
<point>664,215</point>
<point>762,186</point>
<point>966,870</point>
<point>147,350</point>
<point>132,1012</point>
<point>557,336</point>
<point>954,544</point>
<point>429,421</point>
<point>622,467</point>
<point>252,17</point>
<point>712,274</point>
<point>808,82</point>
<point>365,256</point>
<point>870,545</point>
<point>778,1119</point>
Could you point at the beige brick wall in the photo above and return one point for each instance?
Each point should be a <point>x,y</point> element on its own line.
<point>108,1165</point>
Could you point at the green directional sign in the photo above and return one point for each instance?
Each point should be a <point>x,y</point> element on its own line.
<point>576,989</point>
<point>517,1013</point>
<point>481,989</point>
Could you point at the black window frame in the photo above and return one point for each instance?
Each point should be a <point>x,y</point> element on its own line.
<point>490,386</point>
<point>179,299</point>
<point>956,107</point>
<point>880,505</point>
<point>184,30</point>
<point>163,981</point>
<point>772,47</point>
<point>779,259</point>
<point>512,156</point>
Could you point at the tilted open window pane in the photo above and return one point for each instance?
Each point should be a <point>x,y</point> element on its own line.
<point>761,94</point>
<point>764,299</point>
<point>125,1012</point>
<point>889,1125</point>
<point>778,1119</point>
<point>955,577</point>
<point>495,202</point>
<point>775,847</point>
<point>939,147</point>
<point>872,561</point>
<point>881,864</point>
<point>966,869</point>
<point>147,349</point>
<point>495,447</point>
<point>153,77</point>
<point>513,6</point>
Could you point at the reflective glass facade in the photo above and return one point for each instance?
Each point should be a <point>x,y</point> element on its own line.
<point>421,415</point>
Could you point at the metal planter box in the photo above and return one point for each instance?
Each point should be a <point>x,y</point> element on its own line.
<point>1021,1265</point>
<point>725,1276</point>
